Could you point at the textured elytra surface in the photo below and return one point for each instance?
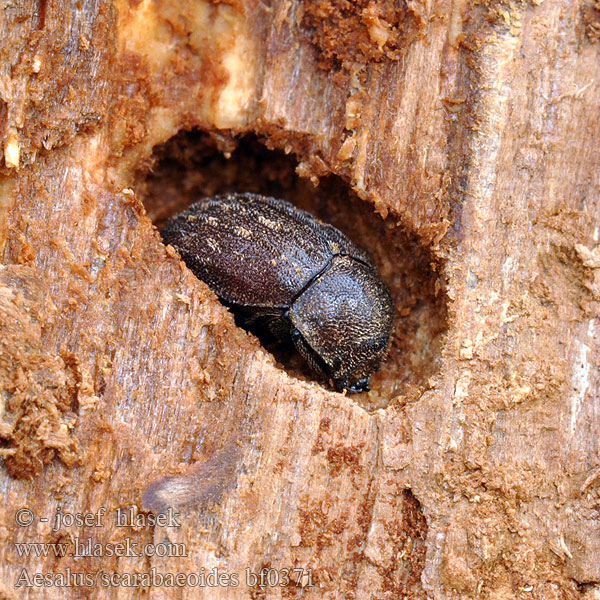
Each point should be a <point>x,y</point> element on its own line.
<point>492,142</point>
<point>255,251</point>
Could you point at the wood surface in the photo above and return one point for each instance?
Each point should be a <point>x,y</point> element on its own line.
<point>458,142</point>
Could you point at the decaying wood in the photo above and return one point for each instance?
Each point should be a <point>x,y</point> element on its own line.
<point>472,468</point>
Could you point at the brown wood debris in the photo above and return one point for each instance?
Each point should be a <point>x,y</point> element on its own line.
<point>457,142</point>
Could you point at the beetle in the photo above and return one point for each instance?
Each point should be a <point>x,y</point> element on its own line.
<point>276,265</point>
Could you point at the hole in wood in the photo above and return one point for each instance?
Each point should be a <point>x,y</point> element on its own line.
<point>193,165</point>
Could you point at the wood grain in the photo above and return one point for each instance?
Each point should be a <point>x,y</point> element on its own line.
<point>476,140</point>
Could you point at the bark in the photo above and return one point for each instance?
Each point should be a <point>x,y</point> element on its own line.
<point>457,142</point>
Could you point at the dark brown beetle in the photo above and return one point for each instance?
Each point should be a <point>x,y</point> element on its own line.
<point>275,264</point>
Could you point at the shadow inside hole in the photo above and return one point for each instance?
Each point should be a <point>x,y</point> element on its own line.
<point>194,164</point>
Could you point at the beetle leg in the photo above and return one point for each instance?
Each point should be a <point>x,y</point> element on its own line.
<point>277,327</point>
<point>315,362</point>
